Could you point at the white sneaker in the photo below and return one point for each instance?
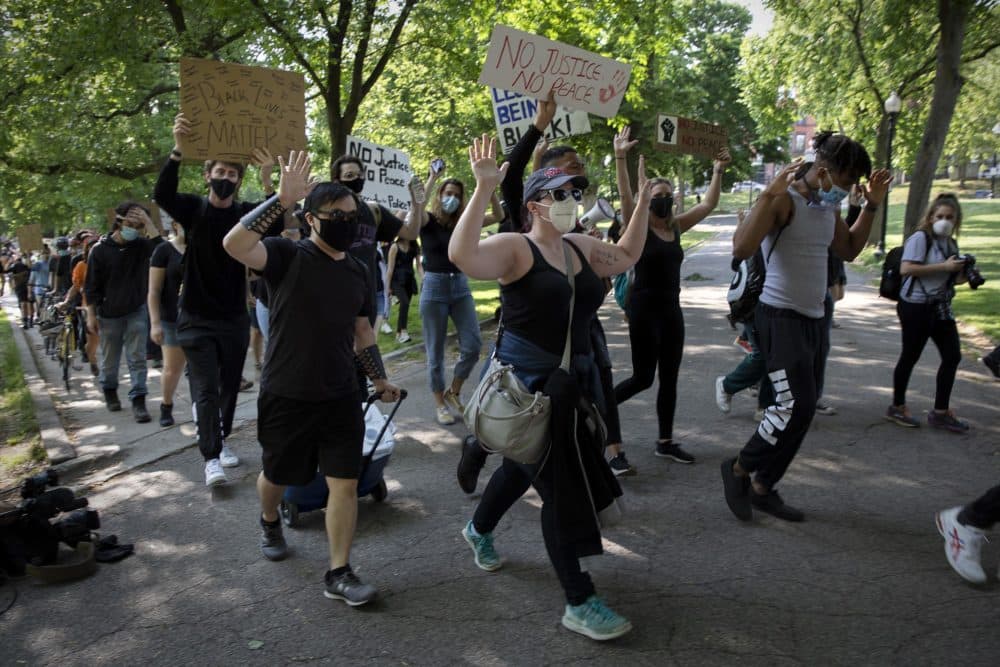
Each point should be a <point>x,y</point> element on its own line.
<point>227,458</point>
<point>386,329</point>
<point>444,416</point>
<point>214,474</point>
<point>961,545</point>
<point>722,399</point>
<point>403,338</point>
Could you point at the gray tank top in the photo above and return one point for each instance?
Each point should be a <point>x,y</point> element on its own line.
<point>796,271</point>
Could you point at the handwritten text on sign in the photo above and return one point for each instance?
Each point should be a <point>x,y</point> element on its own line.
<point>234,109</point>
<point>533,65</point>
<point>675,134</point>
<point>386,173</point>
<point>29,237</point>
<point>514,113</point>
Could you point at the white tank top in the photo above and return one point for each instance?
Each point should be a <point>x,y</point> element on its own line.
<point>796,271</point>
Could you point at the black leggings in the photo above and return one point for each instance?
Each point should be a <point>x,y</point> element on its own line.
<point>919,322</point>
<point>984,511</point>
<point>656,330</point>
<point>404,309</point>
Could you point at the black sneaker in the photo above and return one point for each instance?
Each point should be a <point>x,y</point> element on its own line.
<point>166,415</point>
<point>349,588</point>
<point>775,506</point>
<point>472,462</point>
<point>139,410</point>
<point>111,400</point>
<point>671,450</point>
<point>272,540</point>
<point>737,490</point>
<point>620,466</point>
<point>993,365</point>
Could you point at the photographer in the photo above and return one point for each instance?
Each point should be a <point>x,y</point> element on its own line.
<point>931,267</point>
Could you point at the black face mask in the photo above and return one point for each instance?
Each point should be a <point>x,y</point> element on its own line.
<point>223,187</point>
<point>338,231</point>
<point>661,206</point>
<point>357,185</point>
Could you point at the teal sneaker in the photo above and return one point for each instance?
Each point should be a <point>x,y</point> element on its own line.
<point>594,619</point>
<point>482,545</point>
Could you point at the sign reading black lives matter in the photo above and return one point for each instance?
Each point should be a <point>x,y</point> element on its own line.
<point>675,134</point>
<point>386,172</point>
<point>234,109</point>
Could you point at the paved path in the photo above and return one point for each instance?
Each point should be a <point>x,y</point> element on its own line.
<point>862,581</point>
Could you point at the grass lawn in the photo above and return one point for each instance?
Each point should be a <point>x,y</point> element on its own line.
<point>21,450</point>
<point>979,236</point>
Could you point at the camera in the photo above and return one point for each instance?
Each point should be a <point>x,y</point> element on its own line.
<point>973,275</point>
<point>437,165</point>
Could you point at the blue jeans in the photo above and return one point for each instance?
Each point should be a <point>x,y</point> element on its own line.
<point>447,295</point>
<point>129,332</point>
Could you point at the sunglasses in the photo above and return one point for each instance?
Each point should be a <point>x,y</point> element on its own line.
<point>337,215</point>
<point>560,194</point>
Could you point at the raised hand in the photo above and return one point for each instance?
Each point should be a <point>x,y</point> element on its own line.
<point>546,111</point>
<point>878,186</point>
<point>295,180</point>
<point>641,172</point>
<point>536,157</point>
<point>783,179</point>
<point>722,160</point>
<point>482,159</point>
<point>624,142</point>
<point>855,196</point>
<point>182,127</point>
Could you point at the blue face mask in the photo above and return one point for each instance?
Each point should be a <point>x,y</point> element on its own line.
<point>832,197</point>
<point>129,233</point>
<point>449,204</point>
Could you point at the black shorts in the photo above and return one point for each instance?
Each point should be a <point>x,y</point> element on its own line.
<point>298,437</point>
<point>22,294</point>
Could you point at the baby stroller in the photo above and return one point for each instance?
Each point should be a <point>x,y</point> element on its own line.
<point>379,443</point>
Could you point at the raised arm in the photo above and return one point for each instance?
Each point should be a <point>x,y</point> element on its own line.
<point>156,278</point>
<point>623,144</point>
<point>265,162</point>
<point>699,212</point>
<point>772,205</point>
<point>849,241</point>
<point>390,264</point>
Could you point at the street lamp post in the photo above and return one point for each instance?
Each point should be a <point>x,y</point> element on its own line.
<point>893,105</point>
<point>993,175</point>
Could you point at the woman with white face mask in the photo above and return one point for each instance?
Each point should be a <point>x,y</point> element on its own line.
<point>931,267</point>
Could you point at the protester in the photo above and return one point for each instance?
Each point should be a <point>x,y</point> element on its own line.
<point>41,269</point>
<point>115,288</point>
<point>165,276</point>
<point>655,318</point>
<point>79,279</point>
<point>992,362</point>
<point>931,267</point>
<point>212,324</point>
<point>445,294</point>
<point>382,302</point>
<point>536,298</point>
<point>60,274</point>
<point>402,281</point>
<point>20,274</point>
<point>963,530</point>
<point>307,410</point>
<point>795,220</point>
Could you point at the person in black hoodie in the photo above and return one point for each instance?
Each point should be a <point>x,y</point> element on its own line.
<point>117,276</point>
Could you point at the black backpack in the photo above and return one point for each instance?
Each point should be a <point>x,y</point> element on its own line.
<point>892,279</point>
<point>748,282</point>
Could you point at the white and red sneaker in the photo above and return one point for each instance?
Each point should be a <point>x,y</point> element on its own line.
<point>962,545</point>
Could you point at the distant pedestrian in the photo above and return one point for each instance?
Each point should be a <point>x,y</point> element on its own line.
<point>405,264</point>
<point>165,277</point>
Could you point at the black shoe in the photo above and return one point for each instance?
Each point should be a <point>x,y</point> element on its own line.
<point>272,540</point>
<point>775,506</point>
<point>111,400</point>
<point>472,461</point>
<point>166,414</point>
<point>671,450</point>
<point>139,410</point>
<point>349,588</point>
<point>737,490</point>
<point>620,466</point>
<point>993,365</point>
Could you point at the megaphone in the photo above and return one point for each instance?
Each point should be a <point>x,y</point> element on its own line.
<point>601,211</point>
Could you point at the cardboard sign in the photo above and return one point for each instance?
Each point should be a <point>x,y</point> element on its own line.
<point>532,65</point>
<point>234,109</point>
<point>514,113</point>
<point>29,237</point>
<point>386,171</point>
<point>675,134</point>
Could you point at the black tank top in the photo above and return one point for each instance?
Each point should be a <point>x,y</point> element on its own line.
<point>536,306</point>
<point>404,262</point>
<point>658,270</point>
<point>434,238</point>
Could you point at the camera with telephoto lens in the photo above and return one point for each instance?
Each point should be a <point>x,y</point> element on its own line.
<point>971,272</point>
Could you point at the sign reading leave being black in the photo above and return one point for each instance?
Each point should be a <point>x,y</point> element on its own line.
<point>234,109</point>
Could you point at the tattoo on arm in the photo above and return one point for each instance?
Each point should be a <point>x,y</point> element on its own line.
<point>607,255</point>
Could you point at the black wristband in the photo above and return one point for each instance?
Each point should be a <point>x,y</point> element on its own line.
<point>176,153</point>
<point>261,218</point>
<point>370,361</point>
<point>870,208</point>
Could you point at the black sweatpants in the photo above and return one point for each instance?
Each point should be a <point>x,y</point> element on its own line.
<point>984,511</point>
<point>602,359</point>
<point>919,322</point>
<point>403,315</point>
<point>215,351</point>
<point>791,344</point>
<point>509,482</point>
<point>656,331</point>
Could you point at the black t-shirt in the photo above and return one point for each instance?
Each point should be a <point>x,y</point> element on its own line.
<point>59,266</point>
<point>258,289</point>
<point>368,234</point>
<point>167,257</point>
<point>658,270</point>
<point>118,275</point>
<point>434,238</point>
<point>19,273</point>
<point>314,302</point>
<point>214,282</point>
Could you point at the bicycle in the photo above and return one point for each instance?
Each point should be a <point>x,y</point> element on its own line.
<point>66,344</point>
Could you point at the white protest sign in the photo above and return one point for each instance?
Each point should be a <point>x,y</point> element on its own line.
<point>386,172</point>
<point>514,113</point>
<point>533,65</point>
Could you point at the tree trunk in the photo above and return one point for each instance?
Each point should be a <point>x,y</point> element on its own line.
<point>952,15</point>
<point>881,149</point>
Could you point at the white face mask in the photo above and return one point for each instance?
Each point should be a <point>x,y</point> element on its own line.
<point>943,227</point>
<point>562,215</point>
